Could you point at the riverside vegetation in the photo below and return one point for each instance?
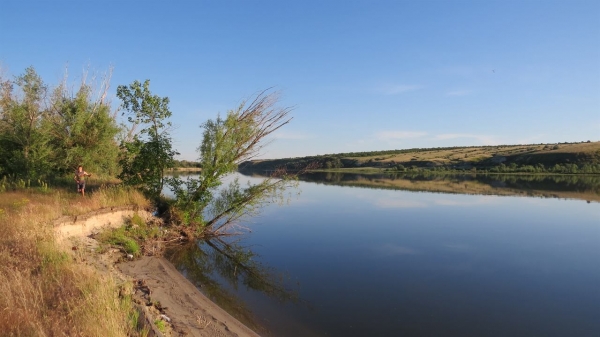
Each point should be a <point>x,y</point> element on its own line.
<point>44,291</point>
<point>46,132</point>
<point>564,158</point>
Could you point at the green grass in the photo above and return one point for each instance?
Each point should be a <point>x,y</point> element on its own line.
<point>132,235</point>
<point>160,324</point>
<point>120,237</point>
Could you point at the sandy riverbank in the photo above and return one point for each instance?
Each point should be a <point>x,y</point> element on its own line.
<point>190,312</point>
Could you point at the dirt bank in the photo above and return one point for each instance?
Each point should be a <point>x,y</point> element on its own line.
<point>189,311</point>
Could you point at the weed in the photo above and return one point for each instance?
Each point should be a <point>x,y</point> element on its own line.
<point>136,232</point>
<point>120,237</point>
<point>136,220</point>
<point>144,332</point>
<point>51,257</point>
<point>160,324</point>
<point>134,319</point>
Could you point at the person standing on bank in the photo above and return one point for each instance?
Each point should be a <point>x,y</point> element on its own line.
<point>80,179</point>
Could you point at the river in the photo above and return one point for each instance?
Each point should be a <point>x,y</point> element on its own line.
<point>384,255</point>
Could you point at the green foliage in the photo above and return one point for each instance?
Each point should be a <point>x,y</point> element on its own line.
<point>566,168</point>
<point>119,238</point>
<point>43,135</point>
<point>128,237</point>
<point>149,153</point>
<point>136,220</point>
<point>186,164</point>
<point>226,142</point>
<point>122,238</point>
<point>133,317</point>
<point>12,183</point>
<point>331,163</point>
<point>23,128</point>
<point>83,132</point>
<point>160,324</point>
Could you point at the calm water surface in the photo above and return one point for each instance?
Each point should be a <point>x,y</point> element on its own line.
<point>383,259</point>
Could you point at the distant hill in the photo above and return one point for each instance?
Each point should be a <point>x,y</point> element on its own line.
<point>581,157</point>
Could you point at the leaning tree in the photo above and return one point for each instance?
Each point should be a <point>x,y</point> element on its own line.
<point>206,202</point>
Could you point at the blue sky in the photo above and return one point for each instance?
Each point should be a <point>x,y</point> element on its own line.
<point>361,75</point>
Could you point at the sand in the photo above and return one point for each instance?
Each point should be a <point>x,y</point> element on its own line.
<point>192,313</point>
<point>189,311</point>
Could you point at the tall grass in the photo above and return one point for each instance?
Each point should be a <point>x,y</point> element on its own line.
<point>43,291</point>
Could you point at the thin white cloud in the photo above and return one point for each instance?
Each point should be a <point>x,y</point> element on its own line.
<point>455,93</point>
<point>399,89</point>
<point>394,135</point>
<point>484,139</point>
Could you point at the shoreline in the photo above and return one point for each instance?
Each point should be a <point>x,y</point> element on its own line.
<point>185,169</point>
<point>189,312</point>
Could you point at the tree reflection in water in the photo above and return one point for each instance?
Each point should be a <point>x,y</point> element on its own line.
<point>582,187</point>
<point>219,268</point>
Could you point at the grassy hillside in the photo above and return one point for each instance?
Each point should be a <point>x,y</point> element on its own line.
<point>581,157</point>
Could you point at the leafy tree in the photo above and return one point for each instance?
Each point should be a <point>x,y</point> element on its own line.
<point>147,154</point>
<point>83,130</point>
<point>23,136</point>
<point>42,135</point>
<point>226,143</point>
<point>332,162</point>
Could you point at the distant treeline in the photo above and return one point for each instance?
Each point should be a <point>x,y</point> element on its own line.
<point>512,168</point>
<point>551,158</point>
<point>187,164</point>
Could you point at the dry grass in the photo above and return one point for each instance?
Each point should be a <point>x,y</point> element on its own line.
<point>474,154</point>
<point>43,291</point>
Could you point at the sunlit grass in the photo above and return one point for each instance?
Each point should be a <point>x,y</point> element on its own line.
<point>43,291</point>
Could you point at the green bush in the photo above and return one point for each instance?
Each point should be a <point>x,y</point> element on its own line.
<point>119,237</point>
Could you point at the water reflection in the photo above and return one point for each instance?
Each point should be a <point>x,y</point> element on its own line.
<point>582,187</point>
<point>388,260</point>
<point>219,268</point>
